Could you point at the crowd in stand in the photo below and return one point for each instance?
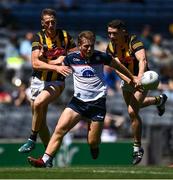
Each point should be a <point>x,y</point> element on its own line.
<point>15,67</point>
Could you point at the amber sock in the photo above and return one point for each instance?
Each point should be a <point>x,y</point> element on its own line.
<point>157,100</point>
<point>136,146</point>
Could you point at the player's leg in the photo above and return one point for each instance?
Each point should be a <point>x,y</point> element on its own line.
<point>68,119</point>
<point>44,133</point>
<point>159,101</point>
<point>96,112</point>
<point>133,101</point>
<point>44,130</point>
<point>39,111</point>
<point>94,137</point>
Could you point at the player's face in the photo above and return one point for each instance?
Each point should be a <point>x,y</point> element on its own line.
<point>49,23</point>
<point>86,47</point>
<point>115,34</point>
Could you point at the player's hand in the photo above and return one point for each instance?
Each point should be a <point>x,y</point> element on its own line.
<point>64,70</point>
<point>137,84</point>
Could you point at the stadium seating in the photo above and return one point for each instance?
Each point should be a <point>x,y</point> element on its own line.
<point>91,12</point>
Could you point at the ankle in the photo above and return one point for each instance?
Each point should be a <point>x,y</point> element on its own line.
<point>47,158</point>
<point>33,135</point>
<point>158,100</point>
<point>136,146</point>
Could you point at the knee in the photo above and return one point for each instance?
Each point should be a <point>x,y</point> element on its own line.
<point>37,104</point>
<point>132,113</point>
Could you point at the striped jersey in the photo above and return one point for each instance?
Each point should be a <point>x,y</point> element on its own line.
<point>88,75</point>
<point>125,52</point>
<point>52,49</point>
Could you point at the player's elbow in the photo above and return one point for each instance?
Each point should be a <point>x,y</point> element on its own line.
<point>145,63</point>
<point>35,64</point>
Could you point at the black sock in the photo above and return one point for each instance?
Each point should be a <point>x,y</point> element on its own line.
<point>33,135</point>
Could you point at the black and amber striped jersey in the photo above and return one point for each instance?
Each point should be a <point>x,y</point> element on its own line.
<point>52,49</point>
<point>125,52</point>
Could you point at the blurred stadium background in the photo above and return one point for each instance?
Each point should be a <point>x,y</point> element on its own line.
<point>151,20</point>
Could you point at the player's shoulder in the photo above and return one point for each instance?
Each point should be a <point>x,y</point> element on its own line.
<point>63,31</point>
<point>37,36</point>
<point>73,57</point>
<point>134,37</point>
<point>74,54</point>
<point>101,57</point>
<point>99,53</point>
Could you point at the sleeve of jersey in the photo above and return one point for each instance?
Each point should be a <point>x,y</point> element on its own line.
<point>136,44</point>
<point>66,61</point>
<point>36,44</point>
<point>107,59</point>
<point>109,51</point>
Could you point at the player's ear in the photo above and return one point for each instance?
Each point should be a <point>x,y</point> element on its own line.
<point>79,46</point>
<point>124,31</point>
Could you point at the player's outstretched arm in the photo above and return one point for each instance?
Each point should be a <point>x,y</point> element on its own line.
<point>124,73</point>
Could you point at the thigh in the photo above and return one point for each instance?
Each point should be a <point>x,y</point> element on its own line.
<point>140,96</point>
<point>68,119</point>
<point>136,96</point>
<point>128,96</point>
<point>49,94</point>
<point>134,100</point>
<point>42,91</point>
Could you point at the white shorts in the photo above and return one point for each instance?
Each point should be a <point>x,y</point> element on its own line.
<point>37,86</point>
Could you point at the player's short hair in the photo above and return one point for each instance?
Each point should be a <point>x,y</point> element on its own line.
<point>117,23</point>
<point>86,34</point>
<point>48,11</point>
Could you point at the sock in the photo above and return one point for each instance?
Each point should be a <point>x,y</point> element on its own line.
<point>47,157</point>
<point>157,100</point>
<point>33,135</point>
<point>136,146</point>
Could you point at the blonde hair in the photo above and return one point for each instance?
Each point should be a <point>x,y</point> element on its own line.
<point>86,34</point>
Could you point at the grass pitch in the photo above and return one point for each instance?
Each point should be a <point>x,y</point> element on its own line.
<point>90,172</point>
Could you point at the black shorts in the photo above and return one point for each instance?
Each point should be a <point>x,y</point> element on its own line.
<point>94,110</point>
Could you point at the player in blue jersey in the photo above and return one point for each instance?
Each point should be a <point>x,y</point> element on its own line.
<point>89,99</point>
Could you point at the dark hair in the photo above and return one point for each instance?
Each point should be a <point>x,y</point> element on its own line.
<point>117,23</point>
<point>86,34</point>
<point>48,11</point>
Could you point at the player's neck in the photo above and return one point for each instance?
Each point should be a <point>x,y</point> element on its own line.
<point>51,34</point>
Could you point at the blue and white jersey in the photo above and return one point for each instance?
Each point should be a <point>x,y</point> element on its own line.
<point>88,76</point>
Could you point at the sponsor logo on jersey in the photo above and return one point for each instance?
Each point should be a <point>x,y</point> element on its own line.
<point>76,59</point>
<point>88,72</point>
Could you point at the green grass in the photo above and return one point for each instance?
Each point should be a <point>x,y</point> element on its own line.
<point>91,172</point>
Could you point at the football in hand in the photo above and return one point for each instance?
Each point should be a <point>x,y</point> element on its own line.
<point>150,80</point>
